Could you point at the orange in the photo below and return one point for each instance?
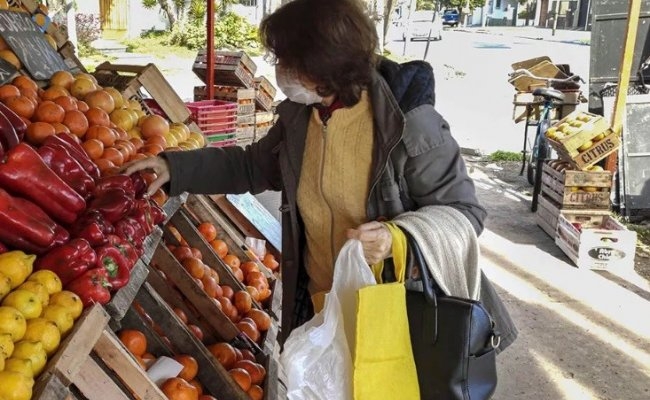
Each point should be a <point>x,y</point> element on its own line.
<point>255,392</point>
<point>68,103</point>
<point>81,87</point>
<point>196,331</point>
<point>54,92</point>
<point>194,266</point>
<point>242,377</point>
<point>121,133</point>
<point>261,319</point>
<point>62,78</point>
<point>100,99</point>
<point>113,155</point>
<point>153,149</point>
<point>49,111</point>
<point>220,247</point>
<point>243,301</point>
<point>197,385</point>
<point>97,116</point>
<point>232,261</point>
<point>181,314</point>
<point>102,133</point>
<point>154,125</point>
<point>31,94</point>
<point>60,128</point>
<point>10,57</point>
<point>134,341</point>
<point>22,81</point>
<point>105,166</point>
<point>94,148</point>
<point>7,91</point>
<point>210,284</point>
<point>76,121</point>
<point>82,106</point>
<point>270,262</point>
<point>37,132</point>
<point>190,366</point>
<point>255,294</point>
<point>182,252</point>
<point>224,353</point>
<point>21,105</point>
<point>159,140</point>
<point>179,389</point>
<point>208,231</point>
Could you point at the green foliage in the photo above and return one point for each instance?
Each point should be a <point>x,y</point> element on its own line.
<point>231,31</point>
<point>501,155</point>
<point>149,3</point>
<point>460,4</point>
<point>425,5</point>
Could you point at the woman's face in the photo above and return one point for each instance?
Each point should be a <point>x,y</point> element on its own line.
<point>299,88</point>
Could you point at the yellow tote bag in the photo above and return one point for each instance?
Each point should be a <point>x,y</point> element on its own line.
<point>383,358</point>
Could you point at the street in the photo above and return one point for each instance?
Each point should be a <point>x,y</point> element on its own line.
<point>472,89</point>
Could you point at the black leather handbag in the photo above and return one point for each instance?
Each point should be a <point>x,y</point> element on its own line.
<point>453,340</point>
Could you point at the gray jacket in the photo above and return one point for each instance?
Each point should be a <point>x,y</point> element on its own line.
<point>416,162</point>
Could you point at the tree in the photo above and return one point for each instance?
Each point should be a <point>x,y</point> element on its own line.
<point>460,4</point>
<point>167,8</point>
<point>426,4</point>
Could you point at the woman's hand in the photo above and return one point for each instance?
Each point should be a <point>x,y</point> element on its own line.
<point>157,164</point>
<point>375,239</point>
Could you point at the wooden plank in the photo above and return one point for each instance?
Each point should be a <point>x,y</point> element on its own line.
<point>159,88</point>
<point>155,345</point>
<point>212,375</point>
<point>67,361</point>
<point>175,299</point>
<point>150,244</point>
<point>167,263</point>
<point>189,232</point>
<point>95,384</point>
<point>50,387</point>
<point>118,359</point>
<point>122,300</point>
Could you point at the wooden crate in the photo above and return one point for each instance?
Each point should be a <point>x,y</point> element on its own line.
<point>549,211</point>
<point>524,101</point>
<point>93,364</point>
<point>264,93</point>
<point>567,187</point>
<point>136,79</point>
<point>69,55</point>
<point>230,68</point>
<point>598,151</point>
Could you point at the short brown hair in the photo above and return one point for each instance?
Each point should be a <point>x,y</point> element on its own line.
<point>330,42</point>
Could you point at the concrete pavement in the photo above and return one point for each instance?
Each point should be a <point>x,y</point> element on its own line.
<point>579,37</point>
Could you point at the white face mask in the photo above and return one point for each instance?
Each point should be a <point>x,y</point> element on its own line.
<point>294,90</point>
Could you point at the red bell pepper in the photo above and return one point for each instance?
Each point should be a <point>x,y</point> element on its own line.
<point>128,251</point>
<point>110,258</point>
<point>20,127</point>
<point>61,235</point>
<point>76,151</point>
<point>114,204</point>
<point>24,172</point>
<point>141,212</point>
<point>119,181</point>
<point>67,168</point>
<point>139,184</point>
<point>158,215</point>
<point>96,216</point>
<point>130,230</point>
<point>8,135</point>
<point>3,248</point>
<point>92,232</point>
<point>69,260</point>
<point>17,219</point>
<point>92,287</point>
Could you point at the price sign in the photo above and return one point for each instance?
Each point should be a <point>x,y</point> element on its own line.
<point>28,42</point>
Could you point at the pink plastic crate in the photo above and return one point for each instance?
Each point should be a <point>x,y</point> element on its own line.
<point>214,116</point>
<point>224,143</point>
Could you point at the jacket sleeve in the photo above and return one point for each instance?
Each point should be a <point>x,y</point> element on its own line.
<point>435,172</point>
<point>228,170</point>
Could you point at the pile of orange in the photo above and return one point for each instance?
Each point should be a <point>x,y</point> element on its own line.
<point>242,367</point>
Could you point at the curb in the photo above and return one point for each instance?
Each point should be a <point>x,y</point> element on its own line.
<point>488,32</point>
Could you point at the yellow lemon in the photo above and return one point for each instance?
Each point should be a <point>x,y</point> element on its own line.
<point>15,386</point>
<point>44,331</point>
<point>116,95</point>
<point>6,345</point>
<point>34,351</point>
<point>13,323</point>
<point>5,285</point>
<point>198,137</point>
<point>4,5</point>
<point>60,316</point>
<point>17,266</point>
<point>19,365</point>
<point>49,279</point>
<point>38,289</point>
<point>70,301</point>
<point>24,301</point>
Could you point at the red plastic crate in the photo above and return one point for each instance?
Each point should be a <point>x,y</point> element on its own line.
<point>214,116</point>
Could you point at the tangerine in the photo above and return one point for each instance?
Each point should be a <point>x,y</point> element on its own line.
<point>261,319</point>
<point>232,261</point>
<point>224,353</point>
<point>22,81</point>
<point>105,166</point>
<point>114,155</point>
<point>255,392</point>
<point>49,111</point>
<point>190,366</point>
<point>101,133</point>
<point>21,105</point>
<point>76,121</point>
<point>62,78</point>
<point>94,148</point>
<point>242,377</point>
<point>7,91</point>
<point>54,92</point>
<point>153,125</point>
<point>82,106</point>
<point>194,266</point>
<point>37,132</point>
<point>179,389</point>
<point>68,103</point>
<point>153,149</point>
<point>97,116</point>
<point>134,341</point>
<point>100,99</point>
<point>208,231</point>
<point>60,128</point>
<point>220,247</point>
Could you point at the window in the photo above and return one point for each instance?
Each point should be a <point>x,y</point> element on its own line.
<point>498,4</point>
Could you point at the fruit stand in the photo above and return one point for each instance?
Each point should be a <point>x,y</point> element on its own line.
<point>106,292</point>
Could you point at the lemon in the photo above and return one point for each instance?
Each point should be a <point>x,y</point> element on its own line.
<point>44,331</point>
<point>19,365</point>
<point>6,345</point>
<point>49,279</point>
<point>12,322</point>
<point>68,300</point>
<point>60,316</point>
<point>33,351</point>
<point>24,301</point>
<point>17,266</point>
<point>5,285</point>
<point>38,289</point>
<point>15,386</point>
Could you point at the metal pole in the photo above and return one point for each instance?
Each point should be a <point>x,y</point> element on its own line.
<point>588,14</point>
<point>426,49</point>
<point>555,14</point>
<point>407,28</point>
<point>209,77</point>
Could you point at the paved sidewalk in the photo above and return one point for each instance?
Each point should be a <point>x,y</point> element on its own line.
<point>578,37</point>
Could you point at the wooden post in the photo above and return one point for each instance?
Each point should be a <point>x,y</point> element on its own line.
<point>209,73</point>
<point>624,74</point>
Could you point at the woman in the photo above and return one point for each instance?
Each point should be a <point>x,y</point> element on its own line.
<point>357,141</point>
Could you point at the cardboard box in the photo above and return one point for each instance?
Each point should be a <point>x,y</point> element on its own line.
<point>607,247</point>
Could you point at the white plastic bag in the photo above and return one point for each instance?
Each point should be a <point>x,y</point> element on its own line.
<point>317,356</point>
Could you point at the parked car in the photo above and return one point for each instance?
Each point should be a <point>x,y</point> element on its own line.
<point>451,18</point>
<point>424,25</point>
